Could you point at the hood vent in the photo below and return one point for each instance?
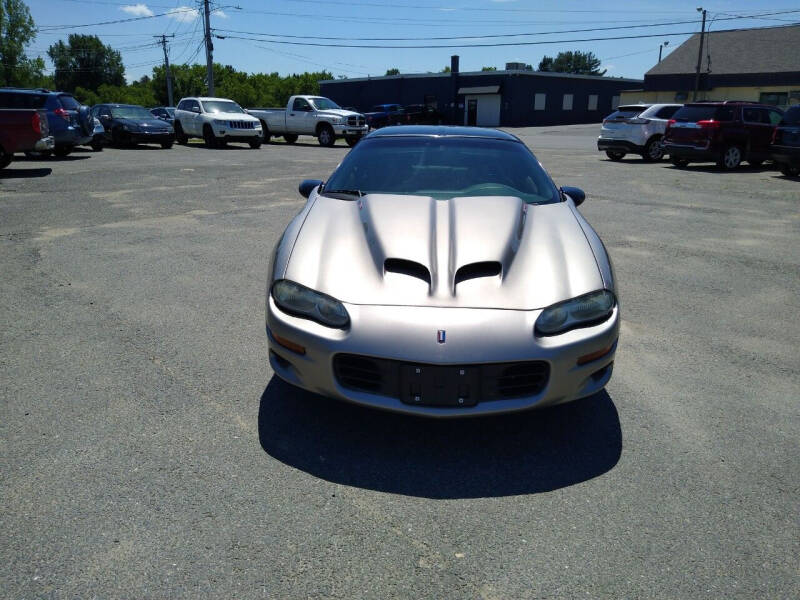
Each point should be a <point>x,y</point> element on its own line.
<point>407,267</point>
<point>477,270</point>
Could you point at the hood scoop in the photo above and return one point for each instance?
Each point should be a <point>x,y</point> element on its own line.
<point>409,268</point>
<point>478,270</point>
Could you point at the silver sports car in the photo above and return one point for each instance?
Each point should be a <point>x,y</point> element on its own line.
<point>440,272</point>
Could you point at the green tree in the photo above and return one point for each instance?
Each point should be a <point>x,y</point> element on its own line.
<point>393,71</point>
<point>445,70</point>
<point>488,68</point>
<point>17,30</point>
<point>579,63</point>
<point>84,61</point>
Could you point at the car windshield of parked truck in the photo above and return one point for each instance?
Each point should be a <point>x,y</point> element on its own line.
<point>443,167</point>
<point>692,114</point>
<point>130,112</point>
<point>221,106</point>
<point>324,104</point>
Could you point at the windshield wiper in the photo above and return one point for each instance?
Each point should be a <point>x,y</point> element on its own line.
<point>356,193</point>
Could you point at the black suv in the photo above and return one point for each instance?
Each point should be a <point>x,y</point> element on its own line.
<point>785,147</point>
<point>723,132</point>
<point>70,122</point>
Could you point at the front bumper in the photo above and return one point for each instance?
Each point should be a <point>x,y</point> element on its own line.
<point>46,143</point>
<point>350,130</point>
<point>473,337</point>
<point>147,137</point>
<point>615,145</point>
<point>243,135</point>
<point>787,155</point>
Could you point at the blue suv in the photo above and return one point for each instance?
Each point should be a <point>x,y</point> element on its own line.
<point>71,124</point>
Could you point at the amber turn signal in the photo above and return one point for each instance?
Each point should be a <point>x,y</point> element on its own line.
<point>587,358</point>
<point>288,344</point>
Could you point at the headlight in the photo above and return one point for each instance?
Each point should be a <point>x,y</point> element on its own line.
<point>301,301</point>
<point>582,311</point>
<point>338,120</point>
<point>220,123</point>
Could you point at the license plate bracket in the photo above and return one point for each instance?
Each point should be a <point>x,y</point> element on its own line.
<point>440,385</point>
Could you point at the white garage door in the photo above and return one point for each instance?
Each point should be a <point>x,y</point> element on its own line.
<point>488,109</point>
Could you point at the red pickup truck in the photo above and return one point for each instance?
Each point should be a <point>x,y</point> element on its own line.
<point>23,130</point>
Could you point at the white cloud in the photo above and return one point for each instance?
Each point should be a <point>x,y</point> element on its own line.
<point>137,10</point>
<point>220,14</point>
<point>184,14</point>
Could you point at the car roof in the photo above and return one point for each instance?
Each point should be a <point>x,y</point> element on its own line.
<point>443,131</point>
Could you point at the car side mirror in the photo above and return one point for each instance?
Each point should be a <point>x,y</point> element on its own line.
<point>195,109</point>
<point>307,186</point>
<point>577,194</point>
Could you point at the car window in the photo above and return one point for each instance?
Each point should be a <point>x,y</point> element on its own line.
<point>301,105</point>
<point>751,114</point>
<point>667,112</point>
<point>692,114</point>
<point>775,116</point>
<point>791,116</point>
<point>324,104</point>
<point>105,111</point>
<point>131,112</point>
<point>69,102</point>
<point>624,113</point>
<point>221,106</point>
<point>24,100</point>
<point>444,167</point>
<point>183,105</point>
<point>194,105</point>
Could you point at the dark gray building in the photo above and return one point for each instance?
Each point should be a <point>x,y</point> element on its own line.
<point>489,98</point>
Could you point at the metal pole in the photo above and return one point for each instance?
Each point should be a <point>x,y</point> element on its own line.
<point>163,43</point>
<point>699,57</point>
<point>209,48</point>
<point>660,48</point>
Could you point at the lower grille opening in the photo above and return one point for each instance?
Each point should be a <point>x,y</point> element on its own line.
<point>358,372</point>
<point>522,379</point>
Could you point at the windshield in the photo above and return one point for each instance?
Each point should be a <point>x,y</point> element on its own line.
<point>130,112</point>
<point>69,102</point>
<point>221,106</point>
<point>324,104</point>
<point>443,167</point>
<point>170,111</point>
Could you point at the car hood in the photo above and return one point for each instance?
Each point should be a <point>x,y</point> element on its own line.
<point>224,116</point>
<point>146,123</point>
<point>337,113</point>
<point>471,252</point>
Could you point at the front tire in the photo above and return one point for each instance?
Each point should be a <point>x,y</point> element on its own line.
<point>731,158</point>
<point>208,137</point>
<point>166,145</point>
<point>790,171</point>
<point>615,156</point>
<point>255,144</point>
<point>180,137</point>
<point>352,140</point>
<point>326,137</point>
<point>654,149</point>
<point>290,138</point>
<point>265,134</point>
<point>97,147</point>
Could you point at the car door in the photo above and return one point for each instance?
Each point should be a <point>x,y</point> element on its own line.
<point>759,129</point>
<point>300,119</point>
<point>197,117</point>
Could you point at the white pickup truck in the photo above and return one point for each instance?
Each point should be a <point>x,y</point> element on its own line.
<point>311,115</point>
<point>217,121</point>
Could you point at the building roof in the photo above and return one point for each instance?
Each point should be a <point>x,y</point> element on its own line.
<point>759,50</point>
<point>487,74</point>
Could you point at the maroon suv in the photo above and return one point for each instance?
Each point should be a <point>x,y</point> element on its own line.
<point>723,132</point>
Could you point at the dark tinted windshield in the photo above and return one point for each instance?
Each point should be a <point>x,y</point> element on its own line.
<point>22,100</point>
<point>444,167</point>
<point>69,102</point>
<point>692,114</point>
<point>130,112</point>
<point>791,116</point>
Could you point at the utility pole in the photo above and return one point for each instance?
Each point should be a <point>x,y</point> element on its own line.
<point>209,48</point>
<point>163,42</point>
<point>660,48</point>
<point>699,54</point>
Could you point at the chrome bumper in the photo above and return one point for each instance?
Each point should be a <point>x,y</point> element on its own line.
<point>46,143</point>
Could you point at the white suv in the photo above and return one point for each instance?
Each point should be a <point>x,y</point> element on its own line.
<point>636,129</point>
<point>217,121</point>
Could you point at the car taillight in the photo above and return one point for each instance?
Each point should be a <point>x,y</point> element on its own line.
<point>775,135</point>
<point>62,113</point>
<point>36,123</point>
<point>710,124</point>
<point>670,123</point>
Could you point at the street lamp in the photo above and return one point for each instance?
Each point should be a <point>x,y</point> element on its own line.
<point>660,48</point>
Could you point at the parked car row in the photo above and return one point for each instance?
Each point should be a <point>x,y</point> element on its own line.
<point>383,115</point>
<point>726,133</point>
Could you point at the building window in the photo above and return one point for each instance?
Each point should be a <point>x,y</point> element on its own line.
<point>539,101</point>
<point>774,98</point>
<point>592,102</point>
<point>681,96</point>
<point>614,102</point>
<point>567,104</point>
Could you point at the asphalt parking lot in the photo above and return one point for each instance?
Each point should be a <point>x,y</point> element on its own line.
<point>148,452</point>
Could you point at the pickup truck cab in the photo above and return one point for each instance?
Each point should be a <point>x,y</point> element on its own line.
<point>217,121</point>
<point>311,115</point>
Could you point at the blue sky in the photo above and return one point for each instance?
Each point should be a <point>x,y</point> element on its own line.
<point>279,29</point>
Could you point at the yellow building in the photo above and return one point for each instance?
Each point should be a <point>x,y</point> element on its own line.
<point>758,65</point>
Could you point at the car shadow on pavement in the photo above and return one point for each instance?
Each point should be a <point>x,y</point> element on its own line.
<point>12,173</point>
<point>523,453</point>
<point>53,158</point>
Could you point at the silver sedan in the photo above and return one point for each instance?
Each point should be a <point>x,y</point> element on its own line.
<point>439,271</point>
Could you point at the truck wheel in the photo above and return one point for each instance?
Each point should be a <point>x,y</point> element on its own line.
<point>265,132</point>
<point>326,137</point>
<point>208,137</point>
<point>62,150</point>
<point>180,137</point>
<point>731,158</point>
<point>352,140</point>
<point>654,149</point>
<point>255,144</point>
<point>290,138</point>
<point>5,158</point>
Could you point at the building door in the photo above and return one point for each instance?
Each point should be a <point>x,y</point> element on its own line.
<point>482,110</point>
<point>472,111</point>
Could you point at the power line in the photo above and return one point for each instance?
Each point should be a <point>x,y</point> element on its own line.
<point>116,21</point>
